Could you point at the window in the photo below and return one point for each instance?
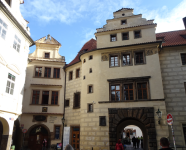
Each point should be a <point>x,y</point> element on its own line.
<point>142,91</point>
<point>128,92</point>
<point>77,73</point>
<point>57,132</point>
<point>70,75</point>
<point>90,57</point>
<point>54,97</point>
<point>126,59</point>
<point>10,84</point>
<point>115,93</point>
<point>123,14</point>
<point>47,55</point>
<point>90,108</point>
<point>17,43</point>
<point>8,2</point>
<point>125,36</point>
<point>123,22</point>
<point>137,34</point>
<point>35,97</point>
<point>90,89</point>
<point>47,72</point>
<point>90,71</point>
<point>113,38</point>
<point>139,58</point>
<point>3,29</point>
<point>184,132</point>
<point>102,120</point>
<point>183,58</point>
<point>45,97</point>
<point>84,61</point>
<point>56,72</point>
<point>83,77</point>
<point>38,71</point>
<point>129,89</point>
<point>67,104</point>
<point>77,100</point>
<point>114,61</point>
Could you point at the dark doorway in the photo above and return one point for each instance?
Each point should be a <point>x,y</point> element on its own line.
<point>17,135</point>
<point>36,137</point>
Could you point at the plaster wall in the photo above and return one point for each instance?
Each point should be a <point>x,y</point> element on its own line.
<point>147,35</point>
<point>173,74</point>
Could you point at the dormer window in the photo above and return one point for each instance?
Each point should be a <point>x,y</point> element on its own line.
<point>8,2</point>
<point>137,34</point>
<point>113,37</point>
<point>47,55</point>
<point>123,22</point>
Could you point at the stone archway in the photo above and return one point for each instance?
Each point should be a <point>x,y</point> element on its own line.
<point>26,142</point>
<point>141,116</point>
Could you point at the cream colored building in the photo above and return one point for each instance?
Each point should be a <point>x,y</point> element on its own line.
<point>116,81</point>
<point>14,48</point>
<point>43,103</point>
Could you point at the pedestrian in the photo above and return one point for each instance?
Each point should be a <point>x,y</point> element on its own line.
<point>141,142</point>
<point>134,142</point>
<point>119,145</point>
<point>69,147</point>
<point>164,143</point>
<point>137,141</point>
<point>44,144</point>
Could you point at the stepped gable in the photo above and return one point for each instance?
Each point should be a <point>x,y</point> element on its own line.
<point>172,38</point>
<point>88,46</point>
<point>48,40</point>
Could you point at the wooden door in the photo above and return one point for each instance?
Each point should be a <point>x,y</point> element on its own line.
<point>75,138</point>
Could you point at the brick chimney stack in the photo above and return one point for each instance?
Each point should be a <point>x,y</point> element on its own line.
<point>184,21</point>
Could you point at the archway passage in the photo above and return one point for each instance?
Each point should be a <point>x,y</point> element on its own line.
<point>1,132</point>
<point>36,137</point>
<point>141,117</point>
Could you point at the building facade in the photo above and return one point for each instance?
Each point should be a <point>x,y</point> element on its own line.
<point>173,68</point>
<point>14,48</point>
<point>116,81</point>
<point>44,95</point>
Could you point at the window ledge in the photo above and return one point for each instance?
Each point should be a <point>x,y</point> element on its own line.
<point>126,101</point>
<point>76,107</point>
<point>90,112</point>
<point>45,77</point>
<point>140,64</point>
<point>44,105</point>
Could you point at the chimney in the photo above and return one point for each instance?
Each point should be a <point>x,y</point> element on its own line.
<point>184,21</point>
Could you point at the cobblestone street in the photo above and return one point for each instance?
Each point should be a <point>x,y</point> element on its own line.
<point>130,147</point>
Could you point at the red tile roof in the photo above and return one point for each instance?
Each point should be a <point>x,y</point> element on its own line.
<point>88,46</point>
<point>172,38</point>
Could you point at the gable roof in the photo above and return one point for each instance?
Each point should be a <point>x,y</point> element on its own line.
<point>172,38</point>
<point>45,40</point>
<point>88,46</point>
<point>124,9</point>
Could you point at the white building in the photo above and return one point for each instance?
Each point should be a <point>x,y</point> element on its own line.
<point>14,48</point>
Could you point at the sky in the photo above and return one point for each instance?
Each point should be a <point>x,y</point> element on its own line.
<point>74,22</point>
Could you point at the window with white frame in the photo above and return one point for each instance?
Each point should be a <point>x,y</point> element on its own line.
<point>10,84</point>
<point>17,43</point>
<point>3,29</point>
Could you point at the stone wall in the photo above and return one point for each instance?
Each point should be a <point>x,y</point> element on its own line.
<point>173,74</point>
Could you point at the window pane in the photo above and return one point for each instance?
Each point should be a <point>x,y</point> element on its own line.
<point>112,88</point>
<point>8,84</point>
<point>11,91</point>
<point>57,132</point>
<point>139,58</point>
<point>12,85</point>
<point>7,90</point>
<point>183,58</point>
<point>118,95</point>
<point>112,95</point>
<point>117,87</point>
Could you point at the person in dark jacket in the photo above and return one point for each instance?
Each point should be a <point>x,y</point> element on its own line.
<point>164,144</point>
<point>137,141</point>
<point>119,145</point>
<point>141,142</point>
<point>134,142</point>
<point>44,144</point>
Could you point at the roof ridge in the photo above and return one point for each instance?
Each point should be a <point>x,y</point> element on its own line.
<point>40,39</point>
<point>171,31</point>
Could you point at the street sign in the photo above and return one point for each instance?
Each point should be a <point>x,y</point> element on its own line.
<point>24,130</point>
<point>22,126</point>
<point>169,119</point>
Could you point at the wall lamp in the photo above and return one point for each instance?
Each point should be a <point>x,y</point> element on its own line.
<point>159,114</point>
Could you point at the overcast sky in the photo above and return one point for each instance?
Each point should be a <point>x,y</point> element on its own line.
<point>73,22</point>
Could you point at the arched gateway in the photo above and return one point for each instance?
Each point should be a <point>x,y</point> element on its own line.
<point>141,117</point>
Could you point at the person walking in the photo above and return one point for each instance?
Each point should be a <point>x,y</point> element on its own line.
<point>69,147</point>
<point>44,144</point>
<point>141,142</point>
<point>134,142</point>
<point>119,145</point>
<point>137,141</point>
<point>164,143</point>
